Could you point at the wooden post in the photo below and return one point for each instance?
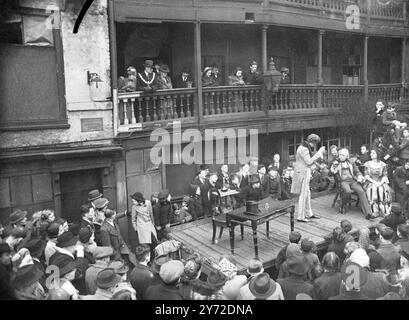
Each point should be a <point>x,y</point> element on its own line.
<point>319,80</point>
<point>57,194</point>
<point>368,12</point>
<point>264,29</point>
<point>198,64</point>
<point>405,19</point>
<point>403,68</point>
<point>365,67</point>
<point>114,65</point>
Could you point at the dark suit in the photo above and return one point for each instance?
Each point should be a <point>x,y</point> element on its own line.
<point>179,83</point>
<point>254,78</point>
<point>95,228</point>
<point>143,79</point>
<point>400,176</point>
<point>111,237</point>
<point>204,193</point>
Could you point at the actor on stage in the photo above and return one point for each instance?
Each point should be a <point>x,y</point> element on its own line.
<point>302,175</point>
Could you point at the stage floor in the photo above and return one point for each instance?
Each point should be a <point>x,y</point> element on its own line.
<point>198,234</point>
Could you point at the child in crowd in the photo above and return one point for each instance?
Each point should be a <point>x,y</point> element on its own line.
<point>286,184</point>
<point>182,215</point>
<point>308,248</point>
<point>274,183</point>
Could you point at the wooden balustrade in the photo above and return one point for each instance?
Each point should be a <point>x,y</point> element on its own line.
<point>384,92</point>
<point>291,97</point>
<point>138,107</point>
<point>231,99</point>
<point>334,96</point>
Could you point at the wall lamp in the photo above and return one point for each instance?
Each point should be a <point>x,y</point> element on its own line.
<point>93,77</point>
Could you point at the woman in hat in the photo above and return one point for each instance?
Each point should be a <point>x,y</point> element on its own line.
<point>26,283</point>
<point>237,80</point>
<point>305,157</point>
<point>207,78</point>
<point>164,81</point>
<point>261,287</point>
<point>142,220</point>
<point>67,268</point>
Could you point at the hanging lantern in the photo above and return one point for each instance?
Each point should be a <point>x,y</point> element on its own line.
<point>272,77</point>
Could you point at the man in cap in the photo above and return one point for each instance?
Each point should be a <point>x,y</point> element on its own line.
<point>142,276</point>
<point>304,158</point>
<point>401,182</point>
<point>162,212</point>
<point>107,280</point>
<point>170,274</point>
<point>184,79</point>
<point>253,76</point>
<point>102,257</point>
<point>349,178</point>
<point>147,80</point>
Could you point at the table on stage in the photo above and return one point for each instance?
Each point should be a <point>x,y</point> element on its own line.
<point>269,210</point>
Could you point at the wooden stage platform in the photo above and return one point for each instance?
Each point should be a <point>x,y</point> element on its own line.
<point>197,235</point>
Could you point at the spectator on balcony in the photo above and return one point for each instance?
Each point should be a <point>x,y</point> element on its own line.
<point>237,80</point>
<point>147,80</point>
<point>207,78</point>
<point>217,81</point>
<point>183,80</point>
<point>128,83</point>
<point>285,78</point>
<point>403,148</point>
<point>164,81</point>
<point>253,76</point>
<point>390,118</point>
<point>156,66</point>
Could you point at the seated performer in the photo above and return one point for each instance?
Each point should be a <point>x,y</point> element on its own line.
<point>350,177</point>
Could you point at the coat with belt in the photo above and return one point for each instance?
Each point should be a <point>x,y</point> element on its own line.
<point>111,237</point>
<point>303,161</point>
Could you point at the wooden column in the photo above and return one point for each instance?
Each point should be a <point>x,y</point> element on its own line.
<point>365,67</point>
<point>319,79</point>
<point>114,65</point>
<point>403,66</point>
<point>264,29</point>
<point>57,194</point>
<point>198,67</point>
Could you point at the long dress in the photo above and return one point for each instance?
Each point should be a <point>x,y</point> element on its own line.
<point>379,197</point>
<point>142,221</point>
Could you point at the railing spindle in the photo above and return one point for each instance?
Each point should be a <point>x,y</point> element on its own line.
<point>126,120</point>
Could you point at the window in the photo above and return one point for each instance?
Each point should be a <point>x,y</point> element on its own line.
<point>294,141</point>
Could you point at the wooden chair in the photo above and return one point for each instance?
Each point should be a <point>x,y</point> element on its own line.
<point>220,220</point>
<point>339,197</point>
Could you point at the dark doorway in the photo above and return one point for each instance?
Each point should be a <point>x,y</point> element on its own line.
<point>75,186</point>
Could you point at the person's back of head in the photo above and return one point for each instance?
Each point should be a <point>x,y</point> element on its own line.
<point>387,234</point>
<point>141,252</point>
<point>403,231</point>
<point>294,237</point>
<point>338,235</point>
<point>331,262</point>
<point>346,225</point>
<point>307,245</point>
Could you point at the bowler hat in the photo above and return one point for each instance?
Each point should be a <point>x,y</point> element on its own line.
<point>314,138</point>
<point>102,252</point>
<point>262,286</point>
<point>63,262</point>
<point>17,216</point>
<point>85,234</point>
<point>36,247</point>
<point>163,194</point>
<point>26,276</point>
<point>101,203</point>
<point>66,239</point>
<point>148,63</point>
<point>4,247</point>
<point>171,271</point>
<point>158,262</point>
<point>216,279</point>
<point>94,195</point>
<point>138,197</point>
<point>107,278</point>
<point>204,167</point>
<point>164,68</point>
<point>119,267</point>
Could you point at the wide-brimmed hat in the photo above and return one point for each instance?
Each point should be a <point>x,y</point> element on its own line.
<point>216,279</point>
<point>67,239</point>
<point>262,286</point>
<point>63,262</point>
<point>101,203</point>
<point>206,69</point>
<point>17,216</point>
<point>171,271</point>
<point>164,68</point>
<point>119,267</point>
<point>138,197</point>
<point>36,247</point>
<point>94,195</point>
<point>102,252</point>
<point>107,278</point>
<point>163,194</point>
<point>159,262</point>
<point>284,69</point>
<point>148,63</point>
<point>26,276</point>
<point>85,234</point>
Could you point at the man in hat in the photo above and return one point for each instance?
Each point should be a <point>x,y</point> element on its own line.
<point>390,118</point>
<point>354,278</point>
<point>107,280</point>
<point>401,182</point>
<point>184,79</point>
<point>26,283</point>
<point>202,181</point>
<point>17,218</point>
<point>253,76</point>
<point>305,157</point>
<point>142,276</point>
<point>395,218</point>
<point>298,268</point>
<point>94,195</point>
<point>285,77</point>
<point>350,178</point>
<point>164,82</point>
<point>162,213</point>
<point>261,287</point>
<point>170,273</point>
<point>111,237</point>
<point>217,81</point>
<point>403,238</point>
<point>147,80</point>
<point>214,194</point>
<point>36,248</point>
<point>102,257</point>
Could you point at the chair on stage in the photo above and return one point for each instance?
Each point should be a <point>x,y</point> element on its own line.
<point>339,197</point>
<point>221,221</point>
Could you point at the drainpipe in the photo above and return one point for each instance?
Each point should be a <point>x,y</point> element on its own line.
<point>114,66</point>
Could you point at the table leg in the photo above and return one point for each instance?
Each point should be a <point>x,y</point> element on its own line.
<point>231,228</point>
<point>254,227</point>
<point>268,229</point>
<point>292,217</point>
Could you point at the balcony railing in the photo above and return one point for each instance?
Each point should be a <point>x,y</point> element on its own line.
<point>395,11</point>
<point>139,110</point>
